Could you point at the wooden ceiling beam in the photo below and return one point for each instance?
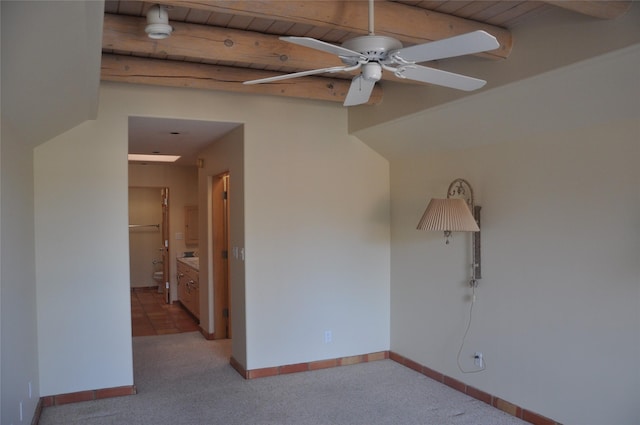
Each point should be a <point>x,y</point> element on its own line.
<point>129,69</point>
<point>410,25</point>
<point>208,43</point>
<point>597,9</point>
<point>202,43</point>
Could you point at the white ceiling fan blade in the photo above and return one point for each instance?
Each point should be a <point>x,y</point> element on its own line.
<point>465,44</point>
<point>323,46</point>
<point>359,91</point>
<point>303,74</point>
<point>439,77</point>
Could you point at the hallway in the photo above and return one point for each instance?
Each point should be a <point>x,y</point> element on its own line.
<point>150,315</point>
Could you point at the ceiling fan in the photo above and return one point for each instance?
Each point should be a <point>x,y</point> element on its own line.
<point>373,53</point>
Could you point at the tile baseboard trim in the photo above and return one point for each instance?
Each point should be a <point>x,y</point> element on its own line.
<point>38,412</point>
<point>238,367</point>
<point>208,336</point>
<point>307,366</point>
<point>497,402</point>
<point>77,397</point>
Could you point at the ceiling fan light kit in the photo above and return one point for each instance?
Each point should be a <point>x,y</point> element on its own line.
<point>158,23</point>
<point>371,71</point>
<point>373,53</point>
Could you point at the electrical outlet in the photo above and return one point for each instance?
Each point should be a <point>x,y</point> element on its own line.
<point>328,337</point>
<point>21,412</point>
<point>30,390</point>
<point>478,360</point>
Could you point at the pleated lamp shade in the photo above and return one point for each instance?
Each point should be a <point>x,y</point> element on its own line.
<point>449,215</point>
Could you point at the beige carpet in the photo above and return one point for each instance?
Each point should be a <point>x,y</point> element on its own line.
<point>184,379</point>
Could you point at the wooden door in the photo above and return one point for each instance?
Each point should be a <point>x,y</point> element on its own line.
<point>191,218</point>
<point>220,225</point>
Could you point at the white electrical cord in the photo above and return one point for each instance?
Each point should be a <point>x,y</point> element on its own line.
<point>464,337</point>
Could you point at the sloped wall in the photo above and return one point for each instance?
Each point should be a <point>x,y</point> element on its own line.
<point>558,308</point>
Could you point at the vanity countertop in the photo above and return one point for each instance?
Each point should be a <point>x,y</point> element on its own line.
<point>193,262</point>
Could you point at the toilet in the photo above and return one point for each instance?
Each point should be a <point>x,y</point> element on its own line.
<point>157,276</point>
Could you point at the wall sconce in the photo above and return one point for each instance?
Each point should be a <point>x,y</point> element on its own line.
<point>158,23</point>
<point>454,214</point>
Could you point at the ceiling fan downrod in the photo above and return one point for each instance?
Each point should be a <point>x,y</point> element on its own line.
<point>371,20</point>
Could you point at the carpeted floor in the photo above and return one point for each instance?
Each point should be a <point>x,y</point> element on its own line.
<point>185,379</point>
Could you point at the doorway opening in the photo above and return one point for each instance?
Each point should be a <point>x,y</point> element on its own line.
<point>208,151</point>
<point>148,238</point>
<point>151,310</point>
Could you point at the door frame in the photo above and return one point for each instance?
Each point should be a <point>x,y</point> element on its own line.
<point>220,195</point>
<point>165,245</point>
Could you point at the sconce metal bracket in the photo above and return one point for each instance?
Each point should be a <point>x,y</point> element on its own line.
<point>460,188</point>
<point>477,263</point>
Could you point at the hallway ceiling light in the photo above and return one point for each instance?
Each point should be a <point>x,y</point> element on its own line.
<point>153,158</point>
<point>158,23</point>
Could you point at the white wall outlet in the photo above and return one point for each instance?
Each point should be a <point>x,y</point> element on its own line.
<point>478,359</point>
<point>328,337</point>
<point>30,390</point>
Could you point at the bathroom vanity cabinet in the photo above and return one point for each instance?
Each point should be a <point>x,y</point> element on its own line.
<point>188,286</point>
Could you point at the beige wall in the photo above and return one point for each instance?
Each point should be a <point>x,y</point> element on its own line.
<point>316,235</point>
<point>225,155</point>
<point>558,308</point>
<point>82,257</point>
<point>34,109</point>
<point>18,314</point>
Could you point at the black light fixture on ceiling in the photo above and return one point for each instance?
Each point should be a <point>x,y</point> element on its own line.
<point>158,23</point>
<point>454,214</point>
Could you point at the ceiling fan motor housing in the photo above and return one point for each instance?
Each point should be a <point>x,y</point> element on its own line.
<point>373,47</point>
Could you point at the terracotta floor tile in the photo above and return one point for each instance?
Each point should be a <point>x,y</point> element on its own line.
<point>150,315</point>
<point>186,326</point>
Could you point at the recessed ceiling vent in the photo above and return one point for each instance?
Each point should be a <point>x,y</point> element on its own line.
<point>158,23</point>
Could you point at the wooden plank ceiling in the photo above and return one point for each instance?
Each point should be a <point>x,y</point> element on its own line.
<point>217,45</point>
